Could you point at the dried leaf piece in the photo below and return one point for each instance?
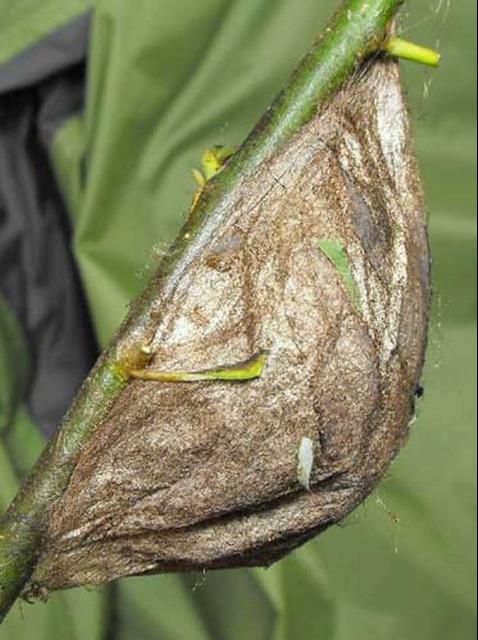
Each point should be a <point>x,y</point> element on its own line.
<point>204,474</point>
<point>305,462</point>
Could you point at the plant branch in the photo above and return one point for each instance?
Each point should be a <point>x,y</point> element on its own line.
<point>359,28</point>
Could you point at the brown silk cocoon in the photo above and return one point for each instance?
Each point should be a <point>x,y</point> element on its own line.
<point>184,476</point>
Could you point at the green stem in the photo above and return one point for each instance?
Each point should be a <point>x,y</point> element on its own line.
<point>358,29</point>
<point>21,526</point>
<point>400,48</point>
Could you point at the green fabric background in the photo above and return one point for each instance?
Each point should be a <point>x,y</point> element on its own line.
<point>167,80</point>
<point>24,22</point>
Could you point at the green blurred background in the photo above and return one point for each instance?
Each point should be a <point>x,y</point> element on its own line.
<point>166,80</point>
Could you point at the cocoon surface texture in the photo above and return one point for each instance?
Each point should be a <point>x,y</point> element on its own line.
<point>323,266</point>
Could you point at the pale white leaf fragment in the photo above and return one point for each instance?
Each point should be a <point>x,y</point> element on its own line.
<point>305,457</point>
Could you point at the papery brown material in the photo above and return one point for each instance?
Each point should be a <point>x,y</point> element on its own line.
<point>184,476</point>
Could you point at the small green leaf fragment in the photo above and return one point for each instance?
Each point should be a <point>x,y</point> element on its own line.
<point>246,370</point>
<point>335,251</point>
<point>213,160</point>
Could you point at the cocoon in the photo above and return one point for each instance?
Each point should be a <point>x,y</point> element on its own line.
<point>323,266</point>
